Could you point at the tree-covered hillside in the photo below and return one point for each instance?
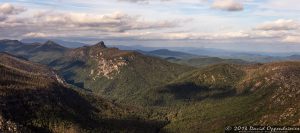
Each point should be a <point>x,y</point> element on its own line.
<point>33,99</point>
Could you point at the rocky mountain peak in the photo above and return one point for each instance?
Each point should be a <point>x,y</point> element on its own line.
<point>101,44</point>
<point>50,43</point>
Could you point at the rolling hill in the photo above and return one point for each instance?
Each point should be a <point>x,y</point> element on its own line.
<point>68,44</point>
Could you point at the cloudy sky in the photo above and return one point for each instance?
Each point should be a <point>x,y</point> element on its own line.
<point>253,25</point>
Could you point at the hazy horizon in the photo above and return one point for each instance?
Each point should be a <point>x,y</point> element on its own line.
<point>184,44</point>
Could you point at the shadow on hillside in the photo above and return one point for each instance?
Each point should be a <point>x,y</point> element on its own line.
<point>191,91</point>
<point>45,105</point>
<point>77,84</point>
<point>68,76</point>
<point>67,64</point>
<point>38,109</point>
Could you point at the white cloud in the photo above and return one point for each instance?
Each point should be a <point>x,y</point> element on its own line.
<point>127,24</point>
<point>2,17</point>
<point>193,35</point>
<point>148,1</point>
<point>34,35</point>
<point>115,22</point>
<point>78,24</point>
<point>135,1</point>
<point>292,39</point>
<point>228,5</point>
<point>281,24</point>
<point>281,4</point>
<point>8,9</point>
<point>284,29</point>
<point>268,34</point>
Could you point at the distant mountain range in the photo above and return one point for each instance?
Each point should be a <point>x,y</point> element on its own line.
<point>186,52</point>
<point>206,61</point>
<point>165,53</point>
<point>220,53</point>
<point>143,91</point>
<point>68,44</point>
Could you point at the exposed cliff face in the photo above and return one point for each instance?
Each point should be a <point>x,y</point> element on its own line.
<point>107,67</point>
<point>109,61</point>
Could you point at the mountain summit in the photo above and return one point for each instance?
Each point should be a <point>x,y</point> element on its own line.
<point>49,42</point>
<point>52,44</point>
<point>101,44</point>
